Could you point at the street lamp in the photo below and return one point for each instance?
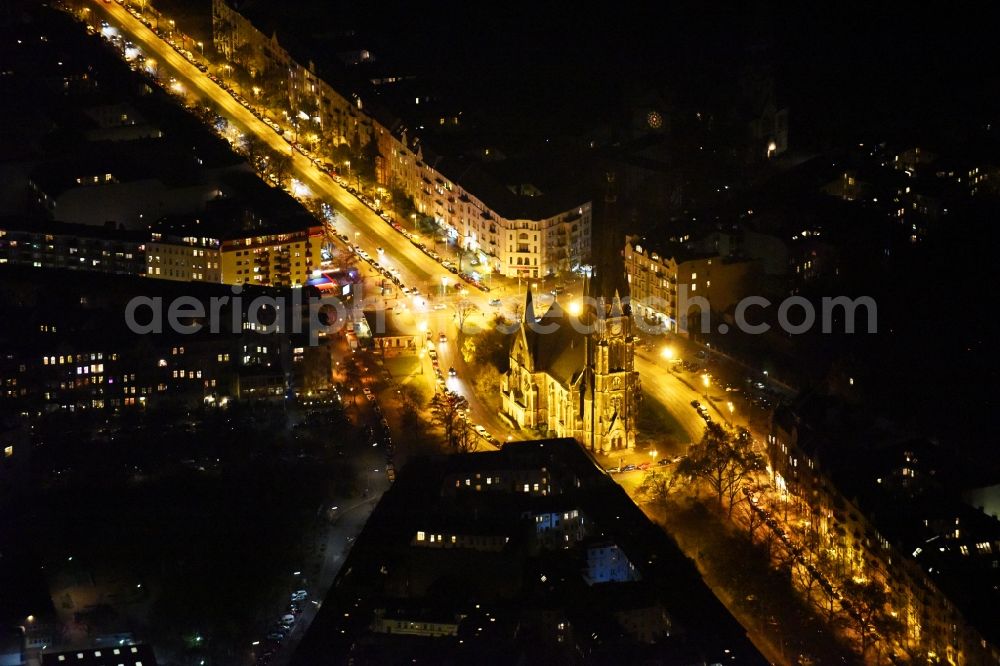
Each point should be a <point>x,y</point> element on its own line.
<point>201,46</point>
<point>444,284</point>
<point>667,353</point>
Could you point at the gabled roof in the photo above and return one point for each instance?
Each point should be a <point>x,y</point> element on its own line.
<point>557,344</point>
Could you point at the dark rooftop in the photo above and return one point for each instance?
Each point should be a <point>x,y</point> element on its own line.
<point>385,571</point>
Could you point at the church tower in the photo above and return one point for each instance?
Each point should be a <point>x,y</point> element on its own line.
<point>612,380</point>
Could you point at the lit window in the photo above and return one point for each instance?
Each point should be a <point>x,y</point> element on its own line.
<point>421,536</point>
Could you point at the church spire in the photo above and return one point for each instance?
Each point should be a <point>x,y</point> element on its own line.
<point>609,282</point>
<point>616,305</point>
<point>529,308</point>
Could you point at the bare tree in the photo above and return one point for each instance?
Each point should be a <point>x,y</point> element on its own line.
<point>280,165</point>
<point>255,149</point>
<point>465,436</point>
<point>868,608</point>
<point>463,309</point>
<point>657,487</point>
<point>725,462</point>
<point>448,410</point>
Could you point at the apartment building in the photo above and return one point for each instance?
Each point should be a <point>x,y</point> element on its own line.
<point>72,246</point>
<point>184,258</point>
<point>514,228</point>
<point>665,283</point>
<point>278,259</point>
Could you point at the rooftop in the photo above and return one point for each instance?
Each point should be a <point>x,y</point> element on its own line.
<point>520,584</point>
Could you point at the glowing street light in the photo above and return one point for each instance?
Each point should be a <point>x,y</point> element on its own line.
<point>575,308</point>
<point>705,381</point>
<point>667,353</point>
<point>653,453</point>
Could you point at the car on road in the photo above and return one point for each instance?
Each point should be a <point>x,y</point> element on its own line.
<point>451,372</point>
<point>481,431</point>
<point>442,337</point>
<point>299,595</point>
<point>644,465</point>
<point>613,470</point>
<point>628,468</point>
<point>287,620</point>
<point>440,306</point>
<point>495,302</point>
<point>664,461</point>
<point>695,404</point>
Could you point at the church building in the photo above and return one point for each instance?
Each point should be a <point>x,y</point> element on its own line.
<point>574,375</point>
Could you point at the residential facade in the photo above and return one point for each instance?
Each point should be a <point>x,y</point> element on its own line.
<point>931,623</point>
<point>515,229</point>
<point>71,246</point>
<point>280,259</point>
<point>672,287</point>
<point>188,258</point>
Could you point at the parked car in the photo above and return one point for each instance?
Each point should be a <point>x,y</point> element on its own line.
<point>628,468</point>
<point>451,372</point>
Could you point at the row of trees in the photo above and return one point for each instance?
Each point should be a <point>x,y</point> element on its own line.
<point>725,463</point>
<point>266,161</point>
